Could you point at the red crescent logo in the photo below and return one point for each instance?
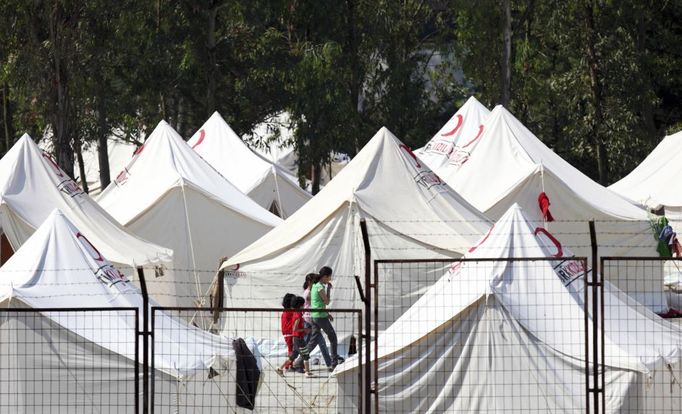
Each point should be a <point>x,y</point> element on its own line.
<point>409,151</point>
<point>202,135</point>
<point>54,165</point>
<point>459,124</point>
<point>90,248</point>
<point>559,249</point>
<point>480,131</point>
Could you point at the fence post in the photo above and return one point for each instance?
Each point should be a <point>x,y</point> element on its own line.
<point>145,340</point>
<point>597,318</point>
<point>368,317</point>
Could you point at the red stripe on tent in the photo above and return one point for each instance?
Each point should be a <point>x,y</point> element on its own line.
<point>482,241</point>
<point>459,124</point>
<point>202,135</point>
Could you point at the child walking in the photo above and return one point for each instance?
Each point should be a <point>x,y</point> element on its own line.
<point>298,332</point>
<point>287,322</point>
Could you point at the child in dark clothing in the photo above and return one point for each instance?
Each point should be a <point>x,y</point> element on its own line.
<point>286,323</point>
<point>298,331</point>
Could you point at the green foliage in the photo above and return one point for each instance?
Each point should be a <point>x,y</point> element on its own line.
<point>343,69</point>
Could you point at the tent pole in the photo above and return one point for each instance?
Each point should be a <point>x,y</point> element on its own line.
<point>145,340</point>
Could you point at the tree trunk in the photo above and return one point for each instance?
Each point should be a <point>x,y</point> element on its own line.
<point>78,147</point>
<point>5,117</point>
<point>352,52</point>
<point>102,143</point>
<point>646,106</point>
<point>505,95</point>
<point>596,92</point>
<point>315,176</point>
<point>61,117</point>
<point>211,74</point>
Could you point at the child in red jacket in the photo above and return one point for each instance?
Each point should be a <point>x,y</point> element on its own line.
<point>286,324</point>
<point>298,331</point>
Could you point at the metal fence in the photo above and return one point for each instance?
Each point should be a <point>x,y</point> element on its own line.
<point>257,384</point>
<point>69,360</point>
<point>481,335</point>
<point>653,384</point>
<point>512,335</point>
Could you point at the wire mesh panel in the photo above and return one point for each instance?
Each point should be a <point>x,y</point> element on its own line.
<point>256,369</point>
<point>486,335</point>
<point>68,360</point>
<point>644,349</point>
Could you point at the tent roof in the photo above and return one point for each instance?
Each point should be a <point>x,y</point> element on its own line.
<point>165,161</point>
<point>387,182</point>
<point>220,146</point>
<point>58,267</point>
<point>508,156</point>
<point>654,181</point>
<point>546,304</point>
<point>32,185</point>
<point>454,142</point>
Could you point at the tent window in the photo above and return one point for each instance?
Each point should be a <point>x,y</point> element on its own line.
<point>6,250</point>
<point>274,209</point>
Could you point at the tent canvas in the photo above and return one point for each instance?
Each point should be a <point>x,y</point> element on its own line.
<point>654,184</point>
<point>32,185</point>
<point>58,267</point>
<point>119,152</point>
<point>410,213</point>
<point>654,181</point>
<point>266,183</point>
<point>488,330</point>
<point>168,194</point>
<point>510,165</point>
<point>453,144</point>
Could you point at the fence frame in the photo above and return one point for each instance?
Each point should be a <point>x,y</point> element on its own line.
<point>362,386</point>
<point>449,261</point>
<point>136,334</point>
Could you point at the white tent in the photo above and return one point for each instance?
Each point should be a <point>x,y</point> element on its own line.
<point>168,194</point>
<point>266,183</point>
<point>85,360</point>
<point>120,152</point>
<point>510,165</point>
<point>410,213</point>
<point>453,144</point>
<point>32,185</point>
<point>654,181</point>
<point>502,336</point>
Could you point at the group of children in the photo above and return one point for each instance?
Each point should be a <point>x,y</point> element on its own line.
<point>302,329</point>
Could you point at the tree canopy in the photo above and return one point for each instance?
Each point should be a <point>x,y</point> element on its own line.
<point>598,81</point>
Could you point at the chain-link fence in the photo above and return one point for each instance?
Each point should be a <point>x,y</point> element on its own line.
<point>69,360</point>
<point>257,375</point>
<point>652,380</point>
<point>481,335</point>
